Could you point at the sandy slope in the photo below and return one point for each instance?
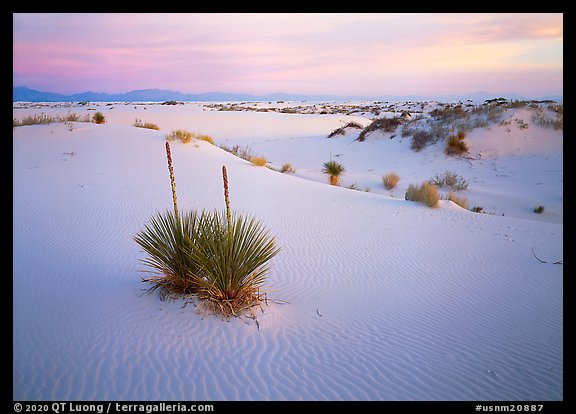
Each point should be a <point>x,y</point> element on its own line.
<point>388,299</point>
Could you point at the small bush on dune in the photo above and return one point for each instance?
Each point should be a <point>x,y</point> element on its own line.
<point>287,168</point>
<point>342,130</point>
<point>390,180</point>
<point>99,118</point>
<point>258,161</point>
<point>426,193</point>
<point>384,124</point>
<point>456,144</point>
<point>451,179</point>
<point>334,171</point>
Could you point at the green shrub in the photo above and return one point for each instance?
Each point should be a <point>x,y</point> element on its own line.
<point>426,193</point>
<point>99,118</point>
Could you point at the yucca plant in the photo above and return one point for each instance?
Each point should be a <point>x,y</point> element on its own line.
<point>167,240</point>
<point>334,170</point>
<point>221,258</point>
<point>232,256</point>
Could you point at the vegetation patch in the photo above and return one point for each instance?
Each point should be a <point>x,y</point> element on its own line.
<point>220,258</point>
<point>425,193</point>
<point>383,124</point>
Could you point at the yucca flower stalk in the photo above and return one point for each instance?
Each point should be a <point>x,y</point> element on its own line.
<point>172,182</point>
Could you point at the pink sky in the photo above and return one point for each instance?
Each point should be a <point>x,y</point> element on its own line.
<point>338,54</point>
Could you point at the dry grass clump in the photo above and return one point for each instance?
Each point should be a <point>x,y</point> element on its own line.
<point>461,201</point>
<point>287,168</point>
<point>390,180</point>
<point>181,134</point>
<point>426,193</point>
<point>148,125</point>
<point>207,138</point>
<point>456,144</point>
<point>259,161</point>
<point>43,119</point>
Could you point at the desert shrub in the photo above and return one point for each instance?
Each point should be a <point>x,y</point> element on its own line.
<point>539,209</point>
<point>540,118</point>
<point>148,125</point>
<point>342,129</point>
<point>99,118</point>
<point>334,171</point>
<point>461,201</point>
<point>246,153</point>
<point>181,134</point>
<point>259,161</point>
<point>477,209</point>
<point>456,144</point>
<point>450,179</point>
<point>384,124</point>
<point>426,193</point>
<point>287,168</point>
<point>420,139</point>
<point>390,180</point>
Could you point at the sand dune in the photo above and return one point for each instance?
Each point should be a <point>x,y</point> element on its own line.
<point>387,299</point>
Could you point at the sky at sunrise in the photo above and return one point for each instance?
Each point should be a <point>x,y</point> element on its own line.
<point>337,54</point>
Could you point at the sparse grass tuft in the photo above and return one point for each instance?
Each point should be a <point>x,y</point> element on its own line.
<point>390,180</point>
<point>206,138</point>
<point>148,125</point>
<point>450,179</point>
<point>181,134</point>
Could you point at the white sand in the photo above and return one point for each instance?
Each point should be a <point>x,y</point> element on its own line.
<point>388,299</point>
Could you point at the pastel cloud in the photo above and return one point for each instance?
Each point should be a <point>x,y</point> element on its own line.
<point>301,53</point>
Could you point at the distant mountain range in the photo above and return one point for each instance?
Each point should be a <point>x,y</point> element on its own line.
<point>25,94</point>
